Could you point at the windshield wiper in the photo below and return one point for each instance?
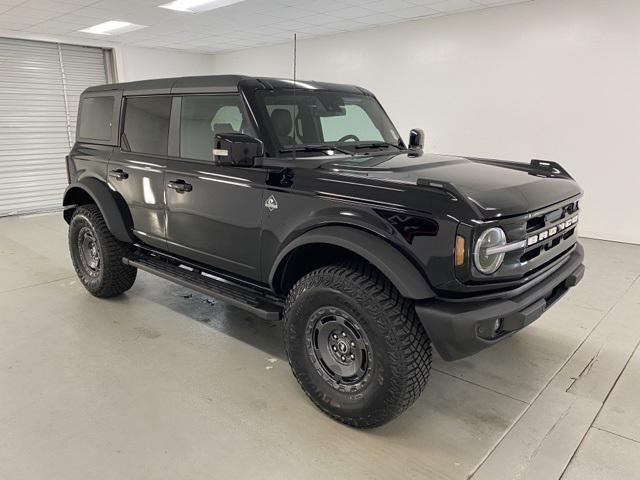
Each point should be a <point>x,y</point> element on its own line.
<point>316,148</point>
<point>377,145</point>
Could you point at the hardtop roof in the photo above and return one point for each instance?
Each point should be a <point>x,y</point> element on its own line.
<point>215,84</point>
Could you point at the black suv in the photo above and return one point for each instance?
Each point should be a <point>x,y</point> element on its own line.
<point>299,200</point>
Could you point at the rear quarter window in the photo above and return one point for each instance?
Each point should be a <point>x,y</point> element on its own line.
<point>96,118</point>
<point>146,125</point>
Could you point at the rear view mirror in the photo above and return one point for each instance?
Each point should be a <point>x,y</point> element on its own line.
<point>236,149</point>
<point>331,105</point>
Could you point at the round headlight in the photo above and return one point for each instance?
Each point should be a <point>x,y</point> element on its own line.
<point>493,237</point>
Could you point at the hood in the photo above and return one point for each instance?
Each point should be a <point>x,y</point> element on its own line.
<point>492,188</point>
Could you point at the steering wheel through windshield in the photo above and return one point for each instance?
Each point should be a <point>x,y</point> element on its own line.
<point>349,137</point>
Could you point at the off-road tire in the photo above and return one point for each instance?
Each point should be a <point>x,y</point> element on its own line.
<point>401,350</point>
<point>111,277</point>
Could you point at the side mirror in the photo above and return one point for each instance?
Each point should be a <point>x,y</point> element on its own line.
<point>416,139</point>
<point>236,149</point>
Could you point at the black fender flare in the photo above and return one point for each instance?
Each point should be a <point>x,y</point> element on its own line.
<point>403,274</point>
<point>114,216</point>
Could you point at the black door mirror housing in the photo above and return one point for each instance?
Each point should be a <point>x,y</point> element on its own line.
<point>237,149</point>
<point>416,139</point>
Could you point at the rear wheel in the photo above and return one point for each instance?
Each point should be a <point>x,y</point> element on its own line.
<point>355,345</point>
<point>97,254</point>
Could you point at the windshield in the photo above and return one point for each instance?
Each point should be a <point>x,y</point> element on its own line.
<point>321,119</point>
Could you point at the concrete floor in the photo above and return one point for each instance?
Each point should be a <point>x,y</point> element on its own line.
<point>165,383</point>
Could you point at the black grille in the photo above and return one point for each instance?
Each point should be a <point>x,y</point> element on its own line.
<point>548,251</point>
<point>545,220</point>
<point>571,208</point>
<point>535,223</point>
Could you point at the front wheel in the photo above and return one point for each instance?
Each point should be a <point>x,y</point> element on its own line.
<point>97,254</point>
<point>355,344</point>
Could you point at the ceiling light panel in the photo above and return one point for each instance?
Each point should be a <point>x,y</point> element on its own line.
<point>196,6</point>
<point>112,27</point>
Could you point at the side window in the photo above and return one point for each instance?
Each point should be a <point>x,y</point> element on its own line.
<point>96,117</point>
<point>146,125</point>
<point>355,122</point>
<point>202,117</point>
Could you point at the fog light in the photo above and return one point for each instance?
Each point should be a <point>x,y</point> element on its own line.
<point>497,327</point>
<point>490,329</point>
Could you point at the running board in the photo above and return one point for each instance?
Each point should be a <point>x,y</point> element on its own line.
<point>207,284</point>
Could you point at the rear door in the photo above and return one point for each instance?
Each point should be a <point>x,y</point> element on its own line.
<point>213,212</point>
<point>136,169</point>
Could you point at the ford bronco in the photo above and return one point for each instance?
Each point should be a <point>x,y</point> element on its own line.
<point>300,201</point>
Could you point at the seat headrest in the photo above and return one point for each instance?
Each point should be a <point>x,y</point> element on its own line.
<point>222,128</point>
<point>282,122</point>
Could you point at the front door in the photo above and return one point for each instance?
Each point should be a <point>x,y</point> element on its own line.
<point>136,169</point>
<point>214,212</point>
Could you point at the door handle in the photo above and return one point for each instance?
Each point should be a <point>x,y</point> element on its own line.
<point>119,174</point>
<point>180,186</point>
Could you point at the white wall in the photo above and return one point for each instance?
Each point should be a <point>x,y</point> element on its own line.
<point>134,63</point>
<point>550,79</point>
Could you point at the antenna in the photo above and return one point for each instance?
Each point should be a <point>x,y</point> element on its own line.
<point>295,118</point>
<point>295,58</point>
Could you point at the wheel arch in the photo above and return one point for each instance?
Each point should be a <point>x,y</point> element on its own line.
<point>325,245</point>
<point>92,190</point>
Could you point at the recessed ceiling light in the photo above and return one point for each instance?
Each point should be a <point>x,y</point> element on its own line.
<point>196,6</point>
<point>112,27</point>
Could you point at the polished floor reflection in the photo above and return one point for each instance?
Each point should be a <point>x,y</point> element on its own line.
<point>166,383</point>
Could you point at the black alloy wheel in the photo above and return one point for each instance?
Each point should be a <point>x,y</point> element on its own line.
<point>89,252</point>
<point>340,348</point>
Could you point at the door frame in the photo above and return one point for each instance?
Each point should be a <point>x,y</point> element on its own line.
<point>174,143</point>
<point>152,240</point>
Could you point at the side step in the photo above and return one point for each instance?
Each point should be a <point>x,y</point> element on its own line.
<point>203,282</point>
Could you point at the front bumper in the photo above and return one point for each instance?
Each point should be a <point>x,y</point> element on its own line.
<point>460,329</point>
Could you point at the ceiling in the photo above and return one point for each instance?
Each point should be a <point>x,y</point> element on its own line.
<point>246,24</point>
